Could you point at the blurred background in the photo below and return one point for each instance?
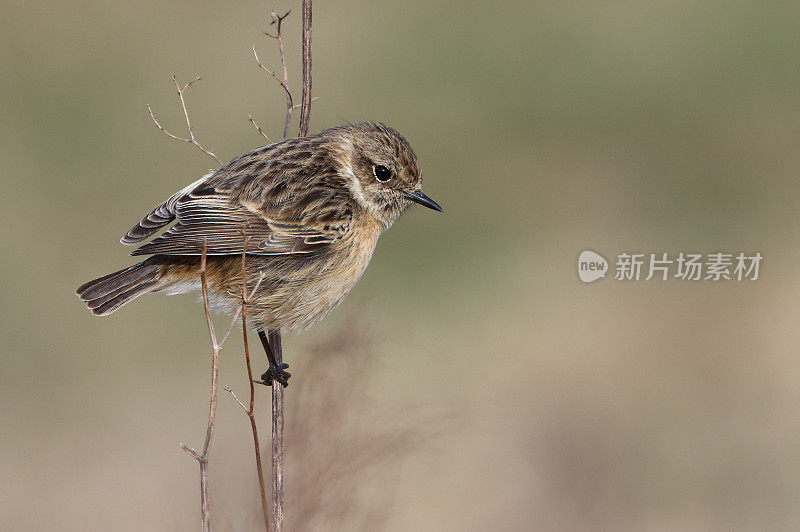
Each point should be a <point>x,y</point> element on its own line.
<point>494,390</point>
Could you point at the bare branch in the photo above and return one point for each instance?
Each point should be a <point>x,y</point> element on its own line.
<point>261,276</point>
<point>277,21</point>
<point>271,73</point>
<point>191,452</point>
<point>274,336</point>
<point>305,105</point>
<point>206,302</point>
<point>230,327</point>
<point>297,105</point>
<point>230,391</point>
<point>278,427</point>
<point>284,83</point>
<point>191,139</point>
<point>202,458</point>
<point>250,412</point>
<point>258,128</point>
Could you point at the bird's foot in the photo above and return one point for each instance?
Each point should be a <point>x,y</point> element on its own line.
<point>276,373</point>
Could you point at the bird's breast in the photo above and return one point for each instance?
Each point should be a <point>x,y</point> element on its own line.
<point>321,282</point>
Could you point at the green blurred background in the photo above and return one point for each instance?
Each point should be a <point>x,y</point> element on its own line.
<point>543,129</point>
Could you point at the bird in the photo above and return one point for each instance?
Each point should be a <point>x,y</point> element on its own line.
<point>305,213</point>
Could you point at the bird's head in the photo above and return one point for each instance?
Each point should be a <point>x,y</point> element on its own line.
<point>382,171</point>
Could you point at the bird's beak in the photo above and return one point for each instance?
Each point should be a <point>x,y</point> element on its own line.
<point>418,197</point>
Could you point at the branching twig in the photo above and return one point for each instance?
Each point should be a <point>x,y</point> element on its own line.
<point>250,412</point>
<point>274,336</point>
<point>191,139</point>
<point>233,394</point>
<point>277,20</point>
<point>202,457</point>
<point>258,128</point>
<point>297,105</point>
<point>281,82</point>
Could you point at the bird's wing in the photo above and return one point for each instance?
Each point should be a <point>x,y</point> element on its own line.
<point>160,216</point>
<point>301,223</point>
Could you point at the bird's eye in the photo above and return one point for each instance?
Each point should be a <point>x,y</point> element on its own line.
<point>382,173</point>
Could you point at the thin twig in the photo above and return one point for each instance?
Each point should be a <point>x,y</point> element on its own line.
<point>202,457</point>
<point>305,106</point>
<point>297,105</point>
<point>277,20</point>
<point>273,74</point>
<point>230,327</point>
<point>284,83</point>
<point>191,139</point>
<point>233,394</point>
<point>250,412</point>
<point>258,128</point>
<point>274,336</point>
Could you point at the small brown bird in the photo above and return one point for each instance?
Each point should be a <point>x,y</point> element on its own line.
<point>312,209</point>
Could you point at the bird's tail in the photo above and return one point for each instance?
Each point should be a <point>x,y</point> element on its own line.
<point>106,294</point>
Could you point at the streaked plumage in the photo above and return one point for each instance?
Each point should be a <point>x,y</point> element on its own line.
<point>313,209</point>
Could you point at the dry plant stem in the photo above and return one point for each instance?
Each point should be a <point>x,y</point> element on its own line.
<point>282,82</point>
<point>258,128</point>
<point>278,20</point>
<point>191,139</point>
<point>250,411</point>
<point>256,446</point>
<point>274,336</point>
<point>277,435</point>
<point>202,457</point>
<point>305,102</point>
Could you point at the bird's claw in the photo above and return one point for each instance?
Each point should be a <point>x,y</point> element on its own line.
<point>276,373</point>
